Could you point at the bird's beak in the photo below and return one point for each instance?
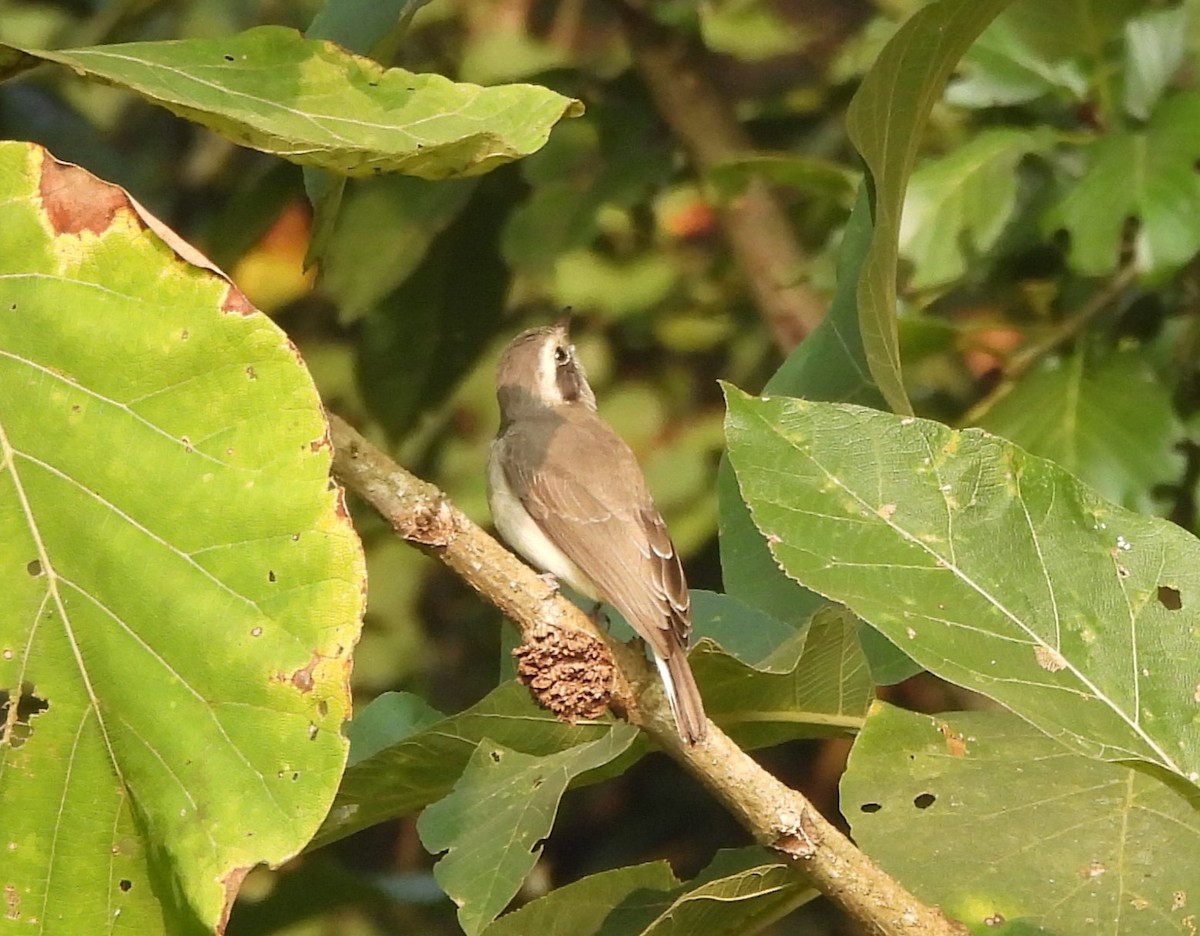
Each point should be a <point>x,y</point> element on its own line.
<point>564,322</point>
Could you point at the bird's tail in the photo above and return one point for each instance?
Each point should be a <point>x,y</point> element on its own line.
<point>683,694</point>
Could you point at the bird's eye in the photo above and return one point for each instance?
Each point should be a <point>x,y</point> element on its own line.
<point>561,355</point>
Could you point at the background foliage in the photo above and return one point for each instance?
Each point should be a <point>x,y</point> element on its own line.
<point>1044,274</point>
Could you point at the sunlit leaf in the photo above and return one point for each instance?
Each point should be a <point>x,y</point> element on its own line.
<point>1149,176</point>
<point>182,589</point>
<point>957,206</point>
<point>314,103</point>
<point>1155,48</point>
<point>992,568</point>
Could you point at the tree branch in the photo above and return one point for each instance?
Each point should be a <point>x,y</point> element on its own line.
<point>756,225</point>
<point>778,817</point>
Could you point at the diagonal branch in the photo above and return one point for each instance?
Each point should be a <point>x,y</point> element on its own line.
<point>756,225</point>
<point>778,817</point>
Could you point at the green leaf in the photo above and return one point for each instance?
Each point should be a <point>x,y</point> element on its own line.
<point>1155,49</point>
<point>1016,61</point>
<point>315,104</point>
<point>438,322</point>
<point>994,569</point>
<point>1149,176</point>
<point>829,365</point>
<point>1110,422</point>
<point>181,587</point>
<point>884,122</point>
<point>755,639</point>
<point>390,718</point>
<point>958,206</point>
<point>1012,833</point>
<point>384,229</point>
<point>814,176</point>
<point>613,157</point>
<point>825,692</point>
<point>358,25</point>
<point>422,767</point>
<point>742,891</point>
<point>493,823</point>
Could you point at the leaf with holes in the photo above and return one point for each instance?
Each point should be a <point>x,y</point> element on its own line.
<point>994,569</point>
<point>182,588</point>
<point>316,104</point>
<point>1010,832</point>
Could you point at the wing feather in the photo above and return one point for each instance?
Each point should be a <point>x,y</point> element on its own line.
<point>592,503</point>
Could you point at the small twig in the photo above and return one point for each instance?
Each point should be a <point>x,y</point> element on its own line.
<point>702,119</point>
<point>778,817</point>
<point>1020,363</point>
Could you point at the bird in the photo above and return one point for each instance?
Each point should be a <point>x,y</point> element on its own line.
<point>566,492</point>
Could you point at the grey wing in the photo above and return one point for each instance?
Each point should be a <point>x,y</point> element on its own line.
<point>608,526</point>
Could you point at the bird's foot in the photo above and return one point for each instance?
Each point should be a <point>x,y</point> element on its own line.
<point>597,615</point>
<point>551,583</point>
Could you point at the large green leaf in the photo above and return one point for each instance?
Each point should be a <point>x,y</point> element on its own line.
<point>958,206</point>
<point>1110,422</point>
<point>742,891</point>
<point>181,586</point>
<point>315,104</point>
<point>1012,833</point>
<point>884,121</point>
<point>492,824</point>
<point>1148,175</point>
<point>993,568</point>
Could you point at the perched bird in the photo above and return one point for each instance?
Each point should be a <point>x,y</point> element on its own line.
<point>567,494</point>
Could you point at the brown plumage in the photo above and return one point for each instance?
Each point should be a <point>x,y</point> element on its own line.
<point>568,494</point>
